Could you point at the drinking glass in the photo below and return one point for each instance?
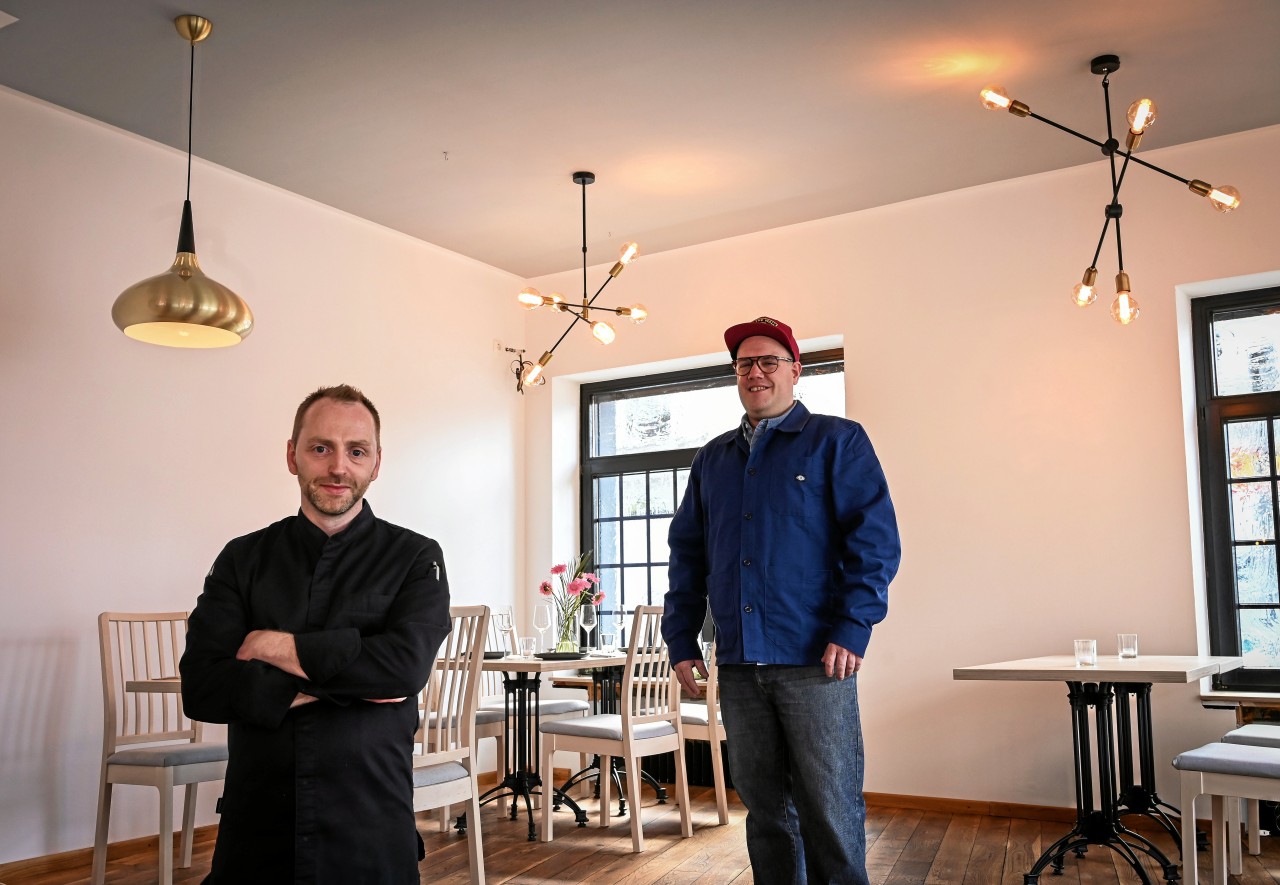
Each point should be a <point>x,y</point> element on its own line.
<point>542,621</point>
<point>608,642</point>
<point>1086,652</point>
<point>502,623</point>
<point>588,619</point>
<point>620,623</point>
<point>528,645</point>
<point>1127,644</point>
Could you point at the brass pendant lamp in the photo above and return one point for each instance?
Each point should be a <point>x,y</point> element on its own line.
<point>182,307</point>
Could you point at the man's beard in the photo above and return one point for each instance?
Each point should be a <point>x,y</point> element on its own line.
<point>330,505</point>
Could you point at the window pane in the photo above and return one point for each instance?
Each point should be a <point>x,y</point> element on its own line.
<point>1251,512</point>
<point>1256,575</point>
<point>1245,359</point>
<point>634,548</point>
<point>658,579</point>
<point>637,580</point>
<point>1247,449</point>
<point>1260,637</point>
<point>606,543</point>
<point>634,497</point>
<point>606,497</point>
<point>658,529</point>
<point>682,481</point>
<point>608,582</point>
<point>661,492</point>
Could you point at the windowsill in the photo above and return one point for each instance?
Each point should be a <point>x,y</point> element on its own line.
<point>1233,696</point>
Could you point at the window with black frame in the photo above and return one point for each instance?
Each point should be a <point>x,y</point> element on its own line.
<point>1236,340</point>
<point>639,436</point>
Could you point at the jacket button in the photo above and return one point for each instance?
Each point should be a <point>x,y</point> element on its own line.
<point>746,562</point>
<point>746,608</point>
<point>751,471</point>
<point>748,516</point>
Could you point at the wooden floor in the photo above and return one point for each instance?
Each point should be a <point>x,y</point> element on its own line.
<point>905,847</point>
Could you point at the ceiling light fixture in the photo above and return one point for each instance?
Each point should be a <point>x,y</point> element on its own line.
<point>1142,113</point>
<point>603,332</point>
<point>182,307</point>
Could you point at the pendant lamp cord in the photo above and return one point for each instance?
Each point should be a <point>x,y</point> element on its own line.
<point>191,91</point>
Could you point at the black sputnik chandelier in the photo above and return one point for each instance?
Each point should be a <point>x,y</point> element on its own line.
<point>1142,113</point>
<point>529,373</point>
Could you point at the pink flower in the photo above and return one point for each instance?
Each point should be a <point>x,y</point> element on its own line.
<point>599,597</point>
<point>577,585</point>
<point>591,576</point>
<point>559,569</point>
<point>545,588</point>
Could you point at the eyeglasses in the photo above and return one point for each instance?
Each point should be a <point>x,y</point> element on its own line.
<point>768,364</point>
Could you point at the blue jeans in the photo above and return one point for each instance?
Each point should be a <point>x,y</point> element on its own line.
<point>795,750</point>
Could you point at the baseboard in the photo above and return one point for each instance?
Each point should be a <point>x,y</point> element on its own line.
<point>82,858</point>
<point>1050,813</point>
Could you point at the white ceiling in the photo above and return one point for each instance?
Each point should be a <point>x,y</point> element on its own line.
<point>460,122</point>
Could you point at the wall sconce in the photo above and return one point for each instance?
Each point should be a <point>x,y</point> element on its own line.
<point>602,331</point>
<point>1141,115</point>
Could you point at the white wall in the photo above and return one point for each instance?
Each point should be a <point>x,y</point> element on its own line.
<point>129,466</point>
<point>1035,450</point>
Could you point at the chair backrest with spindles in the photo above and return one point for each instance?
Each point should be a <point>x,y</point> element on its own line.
<point>650,691</point>
<point>450,699</point>
<point>136,648</point>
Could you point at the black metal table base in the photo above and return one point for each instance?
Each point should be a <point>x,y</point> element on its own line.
<point>522,780</point>
<point>1103,826</point>
<point>617,770</point>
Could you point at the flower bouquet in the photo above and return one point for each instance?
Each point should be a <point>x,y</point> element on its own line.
<point>578,587</point>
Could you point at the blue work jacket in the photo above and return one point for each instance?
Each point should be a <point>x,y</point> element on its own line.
<point>793,543</point>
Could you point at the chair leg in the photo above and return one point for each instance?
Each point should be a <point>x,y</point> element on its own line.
<point>1255,840</point>
<point>475,848</point>
<point>682,797</point>
<point>1235,863</point>
<point>548,754</point>
<point>1190,784</point>
<point>717,775</point>
<point>188,824</point>
<point>166,831</point>
<point>1219,838</point>
<point>606,788</point>
<point>633,796</point>
<point>100,832</point>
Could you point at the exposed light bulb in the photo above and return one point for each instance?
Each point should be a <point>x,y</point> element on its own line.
<point>530,297</point>
<point>603,332</point>
<point>629,252</point>
<point>638,313</point>
<point>532,374</point>
<point>1224,198</point>
<point>1084,292</point>
<point>1124,310</point>
<point>994,98</point>
<point>1142,113</point>
<point>554,300</point>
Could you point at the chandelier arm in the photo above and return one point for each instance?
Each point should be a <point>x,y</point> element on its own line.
<point>1102,238</point>
<point>576,319</point>
<point>1119,248</point>
<point>191,105</point>
<point>1066,129</point>
<point>1106,101</point>
<point>1142,162</point>
<point>597,295</point>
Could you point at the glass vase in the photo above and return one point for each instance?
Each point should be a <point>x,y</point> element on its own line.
<point>567,632</point>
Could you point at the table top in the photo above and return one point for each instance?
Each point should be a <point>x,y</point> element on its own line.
<point>1063,668</point>
<point>518,664</point>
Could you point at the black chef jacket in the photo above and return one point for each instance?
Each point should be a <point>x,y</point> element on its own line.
<point>322,793</point>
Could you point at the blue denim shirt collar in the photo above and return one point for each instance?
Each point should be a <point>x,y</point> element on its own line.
<point>751,434</point>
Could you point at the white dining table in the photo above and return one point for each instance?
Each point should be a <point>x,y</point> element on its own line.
<point>1108,686</point>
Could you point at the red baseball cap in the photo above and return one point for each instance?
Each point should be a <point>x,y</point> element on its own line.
<point>766,326</point>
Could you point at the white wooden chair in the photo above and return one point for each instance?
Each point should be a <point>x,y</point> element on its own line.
<point>703,722</point>
<point>1256,734</point>
<point>1226,772</point>
<point>444,772</point>
<point>648,724</point>
<point>147,739</point>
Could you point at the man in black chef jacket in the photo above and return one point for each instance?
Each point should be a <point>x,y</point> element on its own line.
<point>311,639</point>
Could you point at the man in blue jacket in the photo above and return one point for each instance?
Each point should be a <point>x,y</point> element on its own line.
<point>786,530</point>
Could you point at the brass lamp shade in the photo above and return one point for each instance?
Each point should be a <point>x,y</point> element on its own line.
<point>182,307</point>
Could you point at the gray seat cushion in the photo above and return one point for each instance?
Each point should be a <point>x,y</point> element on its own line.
<point>1240,759</point>
<point>168,755</point>
<point>607,726</point>
<point>1255,735</point>
<point>696,714</point>
<point>546,706</point>
<point>430,775</point>
<point>489,717</point>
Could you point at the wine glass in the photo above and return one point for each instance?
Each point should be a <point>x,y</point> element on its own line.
<point>542,621</point>
<point>588,620</point>
<point>502,623</point>
<point>620,623</point>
